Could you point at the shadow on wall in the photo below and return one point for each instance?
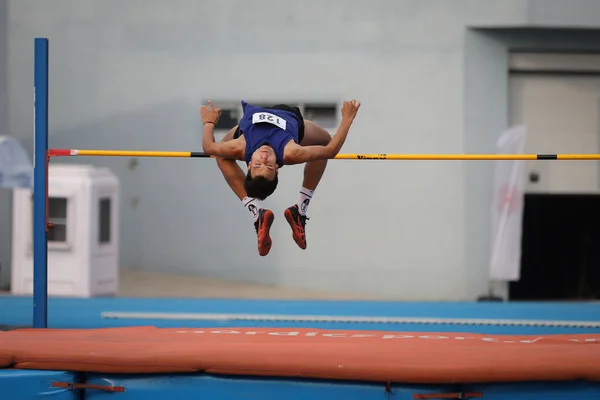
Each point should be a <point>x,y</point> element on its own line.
<point>177,215</point>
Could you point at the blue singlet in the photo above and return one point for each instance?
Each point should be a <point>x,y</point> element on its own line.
<point>268,126</point>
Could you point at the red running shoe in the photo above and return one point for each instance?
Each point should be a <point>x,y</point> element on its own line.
<point>297,223</point>
<point>263,226</point>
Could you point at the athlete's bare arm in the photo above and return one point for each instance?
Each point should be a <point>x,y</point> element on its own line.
<point>232,149</point>
<point>296,154</point>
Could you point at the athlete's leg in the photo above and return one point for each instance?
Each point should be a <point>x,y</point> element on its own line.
<point>314,135</point>
<point>263,218</point>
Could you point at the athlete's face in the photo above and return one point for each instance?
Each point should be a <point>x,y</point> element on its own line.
<point>263,163</point>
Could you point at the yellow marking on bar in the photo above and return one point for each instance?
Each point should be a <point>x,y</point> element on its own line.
<point>577,156</point>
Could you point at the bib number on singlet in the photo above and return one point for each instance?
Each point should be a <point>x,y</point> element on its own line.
<point>270,118</point>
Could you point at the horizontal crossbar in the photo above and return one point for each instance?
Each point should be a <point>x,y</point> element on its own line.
<point>383,156</point>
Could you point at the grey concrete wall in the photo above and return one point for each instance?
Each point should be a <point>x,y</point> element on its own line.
<point>564,14</point>
<point>131,75</point>
<point>5,195</point>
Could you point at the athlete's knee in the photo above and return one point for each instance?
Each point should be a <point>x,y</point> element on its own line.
<point>320,140</point>
<point>315,135</point>
<point>325,139</point>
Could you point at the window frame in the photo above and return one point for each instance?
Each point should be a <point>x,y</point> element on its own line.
<point>70,223</point>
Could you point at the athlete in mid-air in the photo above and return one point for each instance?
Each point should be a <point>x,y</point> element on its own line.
<point>267,139</point>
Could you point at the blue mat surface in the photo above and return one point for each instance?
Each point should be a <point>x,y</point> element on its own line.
<point>35,385</point>
<point>538,391</point>
<point>183,387</point>
<point>26,385</point>
<point>87,313</point>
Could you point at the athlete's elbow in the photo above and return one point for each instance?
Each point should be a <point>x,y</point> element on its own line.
<point>331,151</point>
<point>208,148</point>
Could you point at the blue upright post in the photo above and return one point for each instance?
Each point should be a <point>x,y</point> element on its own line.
<point>40,184</point>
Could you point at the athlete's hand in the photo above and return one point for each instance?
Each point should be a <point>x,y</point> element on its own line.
<point>210,113</point>
<point>349,110</point>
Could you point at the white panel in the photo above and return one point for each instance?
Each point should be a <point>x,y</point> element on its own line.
<point>561,113</point>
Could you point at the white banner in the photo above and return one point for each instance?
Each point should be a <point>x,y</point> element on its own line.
<point>507,207</point>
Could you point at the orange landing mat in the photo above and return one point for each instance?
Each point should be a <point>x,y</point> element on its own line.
<point>408,357</point>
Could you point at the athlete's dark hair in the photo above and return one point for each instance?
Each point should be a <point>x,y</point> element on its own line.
<point>259,186</point>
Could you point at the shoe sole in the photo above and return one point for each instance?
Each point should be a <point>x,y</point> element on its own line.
<point>297,236</point>
<point>264,240</point>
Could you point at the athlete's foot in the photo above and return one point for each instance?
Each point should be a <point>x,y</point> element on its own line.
<point>297,223</point>
<point>263,226</point>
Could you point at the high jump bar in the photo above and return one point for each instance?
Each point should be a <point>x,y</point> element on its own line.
<point>193,154</point>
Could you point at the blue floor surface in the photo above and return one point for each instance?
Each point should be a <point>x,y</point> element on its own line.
<point>30,385</point>
<point>87,313</point>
